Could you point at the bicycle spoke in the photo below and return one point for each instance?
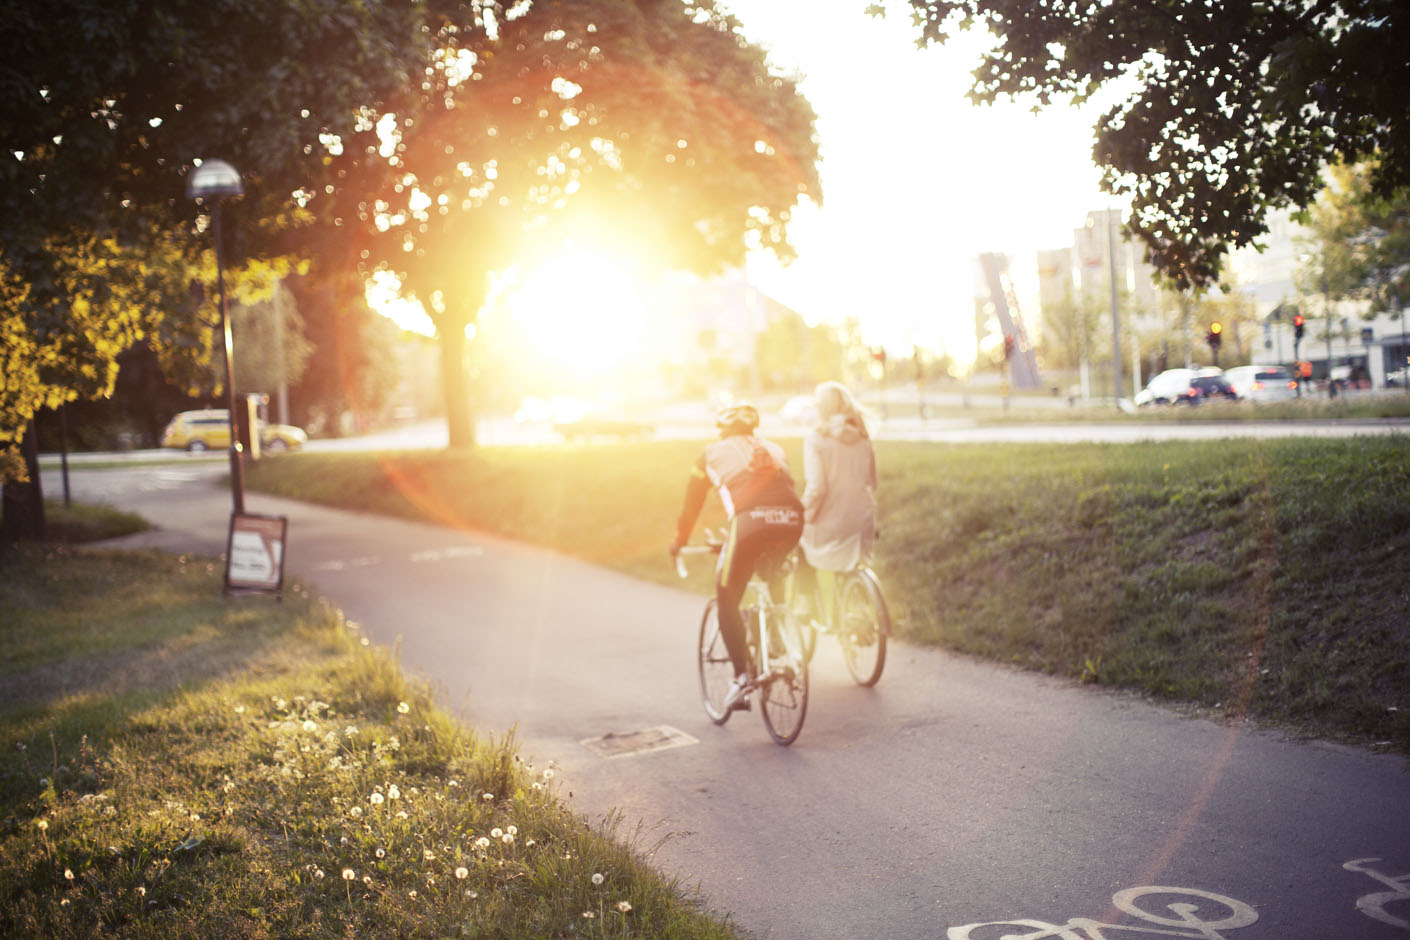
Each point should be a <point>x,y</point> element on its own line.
<point>783,695</point>
<point>716,670</point>
<point>864,628</point>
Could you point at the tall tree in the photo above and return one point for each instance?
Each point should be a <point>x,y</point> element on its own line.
<point>650,127</point>
<point>1361,238</point>
<point>1227,110</point>
<point>103,109</point>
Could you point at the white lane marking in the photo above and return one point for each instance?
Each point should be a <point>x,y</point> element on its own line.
<point>1185,904</point>
<point>1374,905</point>
<point>425,556</point>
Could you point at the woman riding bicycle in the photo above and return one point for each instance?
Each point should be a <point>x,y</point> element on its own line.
<point>765,521</point>
<point>839,494</point>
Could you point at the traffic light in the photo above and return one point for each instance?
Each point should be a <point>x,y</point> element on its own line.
<point>1298,326</point>
<point>1215,336</point>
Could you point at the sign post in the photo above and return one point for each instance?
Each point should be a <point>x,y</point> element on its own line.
<point>254,554</point>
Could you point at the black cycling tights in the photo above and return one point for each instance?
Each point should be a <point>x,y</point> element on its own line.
<point>763,532</point>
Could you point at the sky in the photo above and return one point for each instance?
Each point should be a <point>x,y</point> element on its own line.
<point>917,180</point>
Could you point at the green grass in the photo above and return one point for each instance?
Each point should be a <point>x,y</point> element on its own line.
<point>81,522</point>
<point>176,765</point>
<point>1267,579</point>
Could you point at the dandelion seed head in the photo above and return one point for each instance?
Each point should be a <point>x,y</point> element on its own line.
<point>597,878</point>
<point>462,872</point>
<point>375,799</point>
<point>623,906</point>
<point>68,874</point>
<point>508,838</point>
<point>310,725</point>
<point>488,797</point>
<point>401,814</point>
<point>472,895</point>
<point>349,874</point>
<point>381,853</point>
<point>367,879</point>
<point>403,708</point>
<point>428,855</point>
<point>318,873</point>
<point>393,792</point>
<point>142,889</point>
<point>43,824</point>
<point>589,914</point>
<point>512,830</point>
<point>482,842</point>
<point>496,832</point>
<point>548,773</point>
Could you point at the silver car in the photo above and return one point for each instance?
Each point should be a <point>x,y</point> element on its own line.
<point>1261,383</point>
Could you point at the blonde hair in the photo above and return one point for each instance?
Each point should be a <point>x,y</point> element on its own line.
<point>833,398</point>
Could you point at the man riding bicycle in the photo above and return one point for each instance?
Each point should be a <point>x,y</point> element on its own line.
<point>765,521</point>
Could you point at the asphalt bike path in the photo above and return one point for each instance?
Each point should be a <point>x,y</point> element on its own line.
<point>957,799</point>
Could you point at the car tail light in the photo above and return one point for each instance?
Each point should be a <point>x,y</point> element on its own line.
<point>1256,386</point>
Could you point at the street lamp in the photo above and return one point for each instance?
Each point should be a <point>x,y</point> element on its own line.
<point>211,182</point>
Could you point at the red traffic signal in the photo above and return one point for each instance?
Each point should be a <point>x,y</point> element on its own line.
<point>1298,325</point>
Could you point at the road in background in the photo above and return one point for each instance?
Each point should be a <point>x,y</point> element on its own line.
<point>955,793</point>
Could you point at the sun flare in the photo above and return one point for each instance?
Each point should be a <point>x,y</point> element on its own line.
<point>579,314</point>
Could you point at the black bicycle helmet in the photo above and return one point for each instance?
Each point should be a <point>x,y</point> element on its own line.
<point>738,416</point>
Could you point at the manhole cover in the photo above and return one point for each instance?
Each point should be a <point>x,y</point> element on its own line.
<point>626,743</point>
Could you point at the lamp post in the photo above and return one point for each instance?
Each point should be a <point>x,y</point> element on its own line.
<point>211,182</point>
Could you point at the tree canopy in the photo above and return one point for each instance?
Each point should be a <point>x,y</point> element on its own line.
<point>649,128</point>
<point>1360,241</point>
<point>1227,110</point>
<point>104,107</point>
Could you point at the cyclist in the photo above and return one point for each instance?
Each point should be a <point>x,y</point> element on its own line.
<point>839,494</point>
<point>765,520</point>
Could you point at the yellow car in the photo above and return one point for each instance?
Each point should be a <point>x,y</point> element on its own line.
<point>209,429</point>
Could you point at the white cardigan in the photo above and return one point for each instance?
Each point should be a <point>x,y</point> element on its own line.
<point>839,497</point>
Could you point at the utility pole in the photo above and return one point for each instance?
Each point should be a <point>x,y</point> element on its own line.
<point>1327,310</point>
<point>1115,313</point>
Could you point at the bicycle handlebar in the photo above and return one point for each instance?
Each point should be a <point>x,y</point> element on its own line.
<point>712,549</point>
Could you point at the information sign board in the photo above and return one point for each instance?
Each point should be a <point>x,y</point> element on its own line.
<point>254,555</point>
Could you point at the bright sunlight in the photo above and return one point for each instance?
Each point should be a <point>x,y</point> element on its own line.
<point>579,316</point>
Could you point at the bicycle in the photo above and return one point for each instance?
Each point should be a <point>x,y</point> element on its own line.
<point>861,621</point>
<point>777,657</point>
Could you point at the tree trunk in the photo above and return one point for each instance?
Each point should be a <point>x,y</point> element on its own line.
<point>459,424</point>
<point>24,502</point>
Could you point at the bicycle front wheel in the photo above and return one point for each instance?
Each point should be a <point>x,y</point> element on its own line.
<point>716,670</point>
<point>783,693</point>
<point>865,625</point>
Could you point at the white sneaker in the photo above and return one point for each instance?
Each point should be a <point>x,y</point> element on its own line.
<point>737,698</point>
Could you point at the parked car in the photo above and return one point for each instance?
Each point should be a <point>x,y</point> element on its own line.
<point>1171,387</point>
<point>209,429</point>
<point>1262,383</point>
<point>1213,385</point>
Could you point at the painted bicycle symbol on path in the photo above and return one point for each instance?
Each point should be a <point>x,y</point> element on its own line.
<point>1174,912</point>
<point>1374,905</point>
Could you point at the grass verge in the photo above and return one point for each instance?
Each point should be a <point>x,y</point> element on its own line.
<point>176,765</point>
<point>1257,578</point>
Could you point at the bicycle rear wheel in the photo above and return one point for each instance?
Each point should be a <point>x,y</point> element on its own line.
<point>866,623</point>
<point>783,694</point>
<point>716,670</point>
